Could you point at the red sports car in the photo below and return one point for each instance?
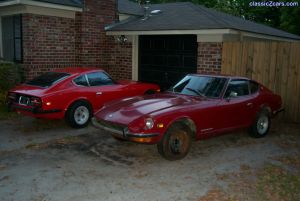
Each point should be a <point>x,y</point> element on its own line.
<point>197,107</point>
<point>72,93</point>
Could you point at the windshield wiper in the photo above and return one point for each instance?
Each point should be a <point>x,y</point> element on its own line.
<point>195,91</point>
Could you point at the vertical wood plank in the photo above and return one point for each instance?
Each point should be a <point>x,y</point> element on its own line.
<point>274,64</point>
<point>249,65</point>
<point>244,59</point>
<point>272,68</point>
<point>297,88</point>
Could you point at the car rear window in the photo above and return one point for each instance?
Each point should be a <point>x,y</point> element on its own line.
<point>48,79</point>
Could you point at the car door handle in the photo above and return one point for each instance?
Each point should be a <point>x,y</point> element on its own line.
<point>99,93</point>
<point>249,104</point>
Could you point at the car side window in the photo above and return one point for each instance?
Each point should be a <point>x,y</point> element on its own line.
<point>237,88</point>
<point>254,87</point>
<point>99,79</point>
<point>81,81</point>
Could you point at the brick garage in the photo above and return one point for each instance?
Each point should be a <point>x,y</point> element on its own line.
<point>51,42</point>
<point>209,57</point>
<point>64,33</point>
<point>48,42</point>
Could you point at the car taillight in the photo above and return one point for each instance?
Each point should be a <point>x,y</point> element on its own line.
<point>36,102</point>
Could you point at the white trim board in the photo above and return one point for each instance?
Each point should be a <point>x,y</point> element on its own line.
<point>40,4</point>
<point>135,58</point>
<point>22,9</point>
<point>171,32</point>
<point>215,34</point>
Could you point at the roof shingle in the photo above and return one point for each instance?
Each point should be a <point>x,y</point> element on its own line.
<point>188,16</point>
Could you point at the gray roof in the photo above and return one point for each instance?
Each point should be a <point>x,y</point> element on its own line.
<point>129,7</point>
<point>188,16</point>
<point>73,3</point>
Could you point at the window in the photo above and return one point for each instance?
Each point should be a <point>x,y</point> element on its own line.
<point>200,85</point>
<point>48,79</point>
<point>254,87</point>
<point>12,38</point>
<point>238,88</point>
<point>81,81</point>
<point>98,79</point>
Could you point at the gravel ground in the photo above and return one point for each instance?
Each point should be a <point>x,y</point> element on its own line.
<point>47,161</point>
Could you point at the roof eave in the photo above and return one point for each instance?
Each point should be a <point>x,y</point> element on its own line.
<point>41,4</point>
<point>199,32</point>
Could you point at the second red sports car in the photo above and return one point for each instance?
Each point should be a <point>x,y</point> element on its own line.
<point>72,93</point>
<point>199,106</point>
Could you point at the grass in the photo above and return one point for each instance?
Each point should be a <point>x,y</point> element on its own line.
<point>66,141</point>
<point>280,182</point>
<point>276,183</point>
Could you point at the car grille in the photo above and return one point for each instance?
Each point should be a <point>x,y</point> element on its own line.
<point>118,128</point>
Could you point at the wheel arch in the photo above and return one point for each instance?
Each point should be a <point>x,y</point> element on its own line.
<point>186,121</point>
<point>81,99</point>
<point>265,107</point>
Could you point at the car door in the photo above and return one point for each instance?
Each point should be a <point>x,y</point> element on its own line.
<point>98,88</point>
<point>235,109</point>
<point>104,88</point>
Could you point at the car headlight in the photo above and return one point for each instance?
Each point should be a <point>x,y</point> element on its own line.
<point>149,123</point>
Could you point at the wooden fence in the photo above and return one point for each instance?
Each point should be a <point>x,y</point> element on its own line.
<point>274,64</point>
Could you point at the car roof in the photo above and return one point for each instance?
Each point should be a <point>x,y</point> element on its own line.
<point>78,70</point>
<point>220,75</point>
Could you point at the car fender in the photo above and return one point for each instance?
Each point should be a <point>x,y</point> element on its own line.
<point>186,120</point>
<point>77,99</point>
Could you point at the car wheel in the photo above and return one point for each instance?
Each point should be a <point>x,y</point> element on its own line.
<point>176,142</point>
<point>79,114</point>
<point>261,125</point>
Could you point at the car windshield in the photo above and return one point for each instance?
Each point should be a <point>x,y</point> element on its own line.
<point>200,86</point>
<point>48,79</point>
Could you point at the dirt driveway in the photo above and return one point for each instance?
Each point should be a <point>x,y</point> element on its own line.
<point>47,161</point>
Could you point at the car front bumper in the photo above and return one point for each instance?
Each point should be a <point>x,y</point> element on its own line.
<point>124,133</point>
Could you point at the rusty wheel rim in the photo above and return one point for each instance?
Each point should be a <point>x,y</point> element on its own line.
<point>179,142</point>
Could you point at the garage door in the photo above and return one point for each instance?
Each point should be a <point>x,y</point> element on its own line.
<point>166,59</point>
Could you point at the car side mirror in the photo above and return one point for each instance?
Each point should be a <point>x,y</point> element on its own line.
<point>232,94</point>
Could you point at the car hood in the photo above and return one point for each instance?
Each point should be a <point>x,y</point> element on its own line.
<point>127,110</point>
<point>29,90</point>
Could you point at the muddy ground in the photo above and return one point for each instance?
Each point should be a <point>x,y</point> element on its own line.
<point>48,161</point>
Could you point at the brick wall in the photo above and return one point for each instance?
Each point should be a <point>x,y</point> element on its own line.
<point>119,60</point>
<point>53,42</point>
<point>91,40</point>
<point>209,57</point>
<point>48,43</point>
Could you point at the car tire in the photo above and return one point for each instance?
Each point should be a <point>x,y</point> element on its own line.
<point>176,142</point>
<point>261,125</point>
<point>79,114</point>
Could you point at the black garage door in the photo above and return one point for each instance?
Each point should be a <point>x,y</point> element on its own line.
<point>165,59</point>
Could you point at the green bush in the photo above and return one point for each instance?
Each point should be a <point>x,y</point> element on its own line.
<point>10,75</point>
<point>3,97</point>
